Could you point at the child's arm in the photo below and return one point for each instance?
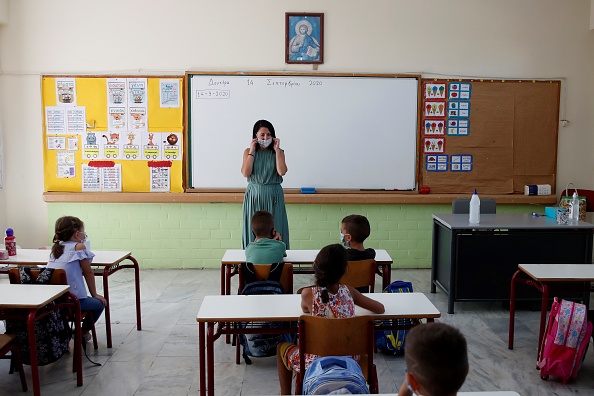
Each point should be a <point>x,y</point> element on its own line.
<point>366,302</point>
<point>306,300</point>
<point>87,271</point>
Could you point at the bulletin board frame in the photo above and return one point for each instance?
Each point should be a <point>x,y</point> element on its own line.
<point>117,156</point>
<point>508,136</point>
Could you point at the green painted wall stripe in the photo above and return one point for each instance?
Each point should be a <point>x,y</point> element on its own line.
<point>169,235</point>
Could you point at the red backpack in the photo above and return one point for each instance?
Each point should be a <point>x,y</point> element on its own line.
<point>564,344</point>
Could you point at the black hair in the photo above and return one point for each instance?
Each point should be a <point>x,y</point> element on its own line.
<point>357,226</point>
<point>262,224</point>
<point>65,228</point>
<point>436,354</point>
<point>263,124</point>
<point>329,266</point>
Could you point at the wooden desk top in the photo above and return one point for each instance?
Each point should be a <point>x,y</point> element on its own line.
<point>41,257</point>
<point>506,221</point>
<point>234,256</point>
<point>287,307</point>
<point>559,272</point>
<point>29,296</point>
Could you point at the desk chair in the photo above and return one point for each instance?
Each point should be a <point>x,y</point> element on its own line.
<point>7,345</point>
<point>338,337</point>
<point>360,274</point>
<point>462,206</point>
<point>58,278</point>
<point>261,272</point>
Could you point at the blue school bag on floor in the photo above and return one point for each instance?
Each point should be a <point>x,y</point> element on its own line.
<point>262,345</point>
<point>392,341</point>
<point>337,374</point>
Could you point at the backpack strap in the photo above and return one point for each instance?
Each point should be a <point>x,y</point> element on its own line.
<point>25,275</point>
<point>276,270</point>
<point>44,276</point>
<point>249,274</point>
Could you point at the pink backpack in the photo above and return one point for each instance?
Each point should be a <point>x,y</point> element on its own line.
<point>564,344</point>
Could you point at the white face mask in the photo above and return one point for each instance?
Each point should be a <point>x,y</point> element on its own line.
<point>264,143</point>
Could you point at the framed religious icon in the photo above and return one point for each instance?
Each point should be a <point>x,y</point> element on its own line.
<point>304,38</point>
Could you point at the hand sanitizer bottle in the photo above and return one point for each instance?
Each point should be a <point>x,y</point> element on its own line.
<point>574,209</point>
<point>475,209</point>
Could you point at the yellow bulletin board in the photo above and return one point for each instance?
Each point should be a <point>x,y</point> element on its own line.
<point>112,134</point>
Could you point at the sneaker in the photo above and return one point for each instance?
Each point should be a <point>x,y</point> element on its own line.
<point>87,337</point>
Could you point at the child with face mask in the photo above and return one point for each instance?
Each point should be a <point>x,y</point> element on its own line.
<point>70,254</point>
<point>264,167</point>
<point>267,247</point>
<point>354,229</point>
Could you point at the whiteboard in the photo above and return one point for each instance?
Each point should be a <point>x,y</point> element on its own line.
<point>337,132</point>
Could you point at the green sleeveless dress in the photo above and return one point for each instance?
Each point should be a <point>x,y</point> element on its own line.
<point>264,192</point>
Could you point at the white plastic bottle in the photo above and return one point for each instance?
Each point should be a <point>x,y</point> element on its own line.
<point>475,209</point>
<point>574,209</point>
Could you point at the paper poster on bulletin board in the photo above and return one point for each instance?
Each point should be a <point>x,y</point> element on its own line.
<point>113,134</point>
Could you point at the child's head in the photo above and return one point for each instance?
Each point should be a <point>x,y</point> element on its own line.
<point>436,359</point>
<point>263,224</point>
<point>66,228</point>
<point>329,266</point>
<point>355,228</point>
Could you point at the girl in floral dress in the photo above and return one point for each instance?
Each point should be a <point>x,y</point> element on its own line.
<point>328,299</point>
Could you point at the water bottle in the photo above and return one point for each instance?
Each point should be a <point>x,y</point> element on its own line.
<point>574,209</point>
<point>475,209</point>
<point>10,242</point>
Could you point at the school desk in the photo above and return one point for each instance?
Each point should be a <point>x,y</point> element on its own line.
<point>544,277</point>
<point>228,310</point>
<point>106,263</point>
<point>28,302</point>
<point>301,260</point>
<point>473,262</point>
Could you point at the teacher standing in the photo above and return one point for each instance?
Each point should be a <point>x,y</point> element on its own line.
<point>264,166</point>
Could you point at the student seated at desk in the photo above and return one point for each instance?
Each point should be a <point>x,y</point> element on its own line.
<point>354,230</point>
<point>436,361</point>
<point>70,254</point>
<point>267,247</point>
<point>327,298</point>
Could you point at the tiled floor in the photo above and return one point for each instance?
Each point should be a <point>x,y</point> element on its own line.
<point>162,359</point>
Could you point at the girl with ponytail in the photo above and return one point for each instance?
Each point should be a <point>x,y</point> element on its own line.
<point>70,253</point>
<point>328,299</point>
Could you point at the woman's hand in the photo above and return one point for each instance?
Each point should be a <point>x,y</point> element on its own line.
<point>253,144</point>
<point>276,144</point>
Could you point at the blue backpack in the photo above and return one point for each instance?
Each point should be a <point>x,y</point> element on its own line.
<point>332,373</point>
<point>262,345</point>
<point>392,341</point>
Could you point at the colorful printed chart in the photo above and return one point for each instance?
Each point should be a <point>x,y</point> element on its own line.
<point>459,91</point>
<point>105,134</point>
<point>461,162</point>
<point>436,163</point>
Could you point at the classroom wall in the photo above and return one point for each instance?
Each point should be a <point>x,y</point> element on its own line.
<point>197,235</point>
<point>466,38</point>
